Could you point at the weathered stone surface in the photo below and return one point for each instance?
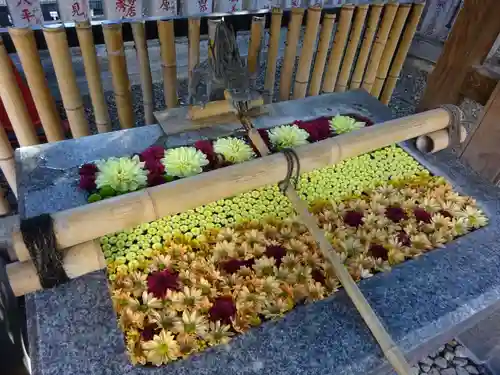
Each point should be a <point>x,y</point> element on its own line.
<point>472,370</point>
<point>424,367</point>
<point>441,362</point>
<point>461,371</point>
<point>462,352</point>
<point>460,361</point>
<point>426,360</point>
<point>448,355</point>
<point>449,371</point>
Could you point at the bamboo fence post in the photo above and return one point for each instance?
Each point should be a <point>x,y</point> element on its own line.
<point>212,27</point>
<point>292,39</point>
<point>194,45</point>
<point>352,47</point>
<point>141,49</point>
<point>306,53</point>
<point>366,46</point>
<point>24,41</point>
<point>404,47</point>
<point>338,47</point>
<point>85,223</point>
<point>255,46</point>
<point>4,204</point>
<point>272,52</point>
<point>437,141</point>
<point>57,44</point>
<point>13,102</point>
<point>390,48</point>
<point>169,64</point>
<point>7,163</point>
<point>379,45</point>
<point>323,47</point>
<point>93,75</point>
<point>113,39</point>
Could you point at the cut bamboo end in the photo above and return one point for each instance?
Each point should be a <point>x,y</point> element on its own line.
<point>352,47</point>
<point>255,46</point>
<point>14,104</point>
<point>338,47</point>
<point>307,51</point>
<point>402,52</point>
<point>366,46</point>
<point>118,65</point>
<point>169,64</point>
<point>292,39</point>
<point>194,45</point>
<point>27,50</point>
<point>57,43</point>
<point>379,45</point>
<point>141,48</point>
<point>390,48</point>
<point>272,52</point>
<point>437,141</point>
<point>323,47</point>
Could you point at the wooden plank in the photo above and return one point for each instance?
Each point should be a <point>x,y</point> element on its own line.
<point>481,149</point>
<point>479,83</point>
<point>469,43</point>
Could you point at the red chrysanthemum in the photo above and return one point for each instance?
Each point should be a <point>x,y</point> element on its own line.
<point>149,331</point>
<point>265,136</point>
<point>396,214</point>
<point>207,148</point>
<point>155,179</point>
<point>233,265</point>
<point>88,169</point>
<point>87,182</point>
<point>318,275</point>
<point>318,129</point>
<point>446,214</point>
<point>161,281</point>
<point>154,166</point>
<point>403,238</point>
<point>378,251</point>
<point>276,252</point>
<point>422,215</point>
<point>152,153</point>
<point>353,218</point>
<point>223,309</point>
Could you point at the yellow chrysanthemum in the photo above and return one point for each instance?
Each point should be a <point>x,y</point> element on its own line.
<point>287,136</point>
<point>345,124</point>
<point>122,174</point>
<point>233,149</point>
<point>191,324</point>
<point>184,161</point>
<point>218,333</point>
<point>162,349</point>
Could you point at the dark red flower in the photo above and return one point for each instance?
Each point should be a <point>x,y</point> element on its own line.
<point>155,179</point>
<point>276,252</point>
<point>233,265</point>
<point>265,136</point>
<point>87,182</point>
<point>359,118</point>
<point>318,129</point>
<point>404,238</point>
<point>396,214</point>
<point>318,275</point>
<point>422,215</point>
<point>154,166</point>
<point>223,309</point>
<point>446,214</point>
<point>207,148</point>
<point>149,331</point>
<point>88,169</point>
<point>353,218</point>
<point>152,153</point>
<point>378,251</point>
<point>159,282</point>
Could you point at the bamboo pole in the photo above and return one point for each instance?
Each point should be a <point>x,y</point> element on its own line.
<point>57,43</point>
<point>141,49</point>
<point>366,45</point>
<point>338,47</point>
<point>93,75</point>
<point>379,45</point>
<point>390,48</point>
<point>13,102</point>
<point>169,64</point>
<point>272,52</point>
<point>85,223</point>
<point>404,47</point>
<point>292,39</point>
<point>4,204</point>
<point>352,48</point>
<point>194,45</point>
<point>437,141</point>
<point>212,27</point>
<point>255,46</point>
<point>7,162</point>
<point>323,47</point>
<point>24,41</point>
<point>306,53</point>
<point>118,66</point>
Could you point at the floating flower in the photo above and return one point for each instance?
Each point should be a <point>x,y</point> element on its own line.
<point>184,161</point>
<point>88,169</point>
<point>218,333</point>
<point>234,150</point>
<point>122,174</point>
<point>164,319</point>
<point>160,282</point>
<point>353,218</point>
<point>232,266</point>
<point>87,182</point>
<point>276,252</point>
<point>396,214</point>
<point>287,136</point>
<point>154,166</point>
<point>189,298</point>
<point>378,251</point>
<point>162,349</point>
<point>155,179</point>
<point>223,309</point>
<point>422,215</point>
<point>318,129</point>
<point>207,148</point>
<point>344,124</point>
<point>474,217</point>
<point>191,324</point>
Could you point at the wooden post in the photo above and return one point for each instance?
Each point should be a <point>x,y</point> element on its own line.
<point>24,41</point>
<point>390,48</point>
<point>93,75</point>
<point>141,49</point>
<point>118,67</point>
<point>272,52</point>
<point>57,43</point>
<point>7,162</point>
<point>292,39</point>
<point>404,47</point>
<point>379,45</point>
<point>13,102</point>
<point>169,64</point>
<point>194,45</point>
<point>323,47</point>
<point>306,53</point>
<point>468,44</point>
<point>255,46</point>
<point>366,46</point>
<point>352,48</point>
<point>337,51</point>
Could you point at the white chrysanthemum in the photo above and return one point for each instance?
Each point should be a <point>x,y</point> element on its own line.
<point>162,349</point>
<point>233,149</point>
<point>184,161</point>
<point>287,136</point>
<point>345,124</point>
<point>122,174</point>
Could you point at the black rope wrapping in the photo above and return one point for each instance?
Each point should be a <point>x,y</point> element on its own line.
<point>293,170</point>
<point>40,239</point>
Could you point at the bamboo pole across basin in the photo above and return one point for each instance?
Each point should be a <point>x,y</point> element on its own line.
<point>86,223</point>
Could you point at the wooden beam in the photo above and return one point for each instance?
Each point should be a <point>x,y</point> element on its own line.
<point>479,83</point>
<point>469,43</point>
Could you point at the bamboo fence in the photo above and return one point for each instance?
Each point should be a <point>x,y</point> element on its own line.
<point>169,63</point>
<point>254,48</point>
<point>7,162</point>
<point>272,52</point>
<point>194,45</point>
